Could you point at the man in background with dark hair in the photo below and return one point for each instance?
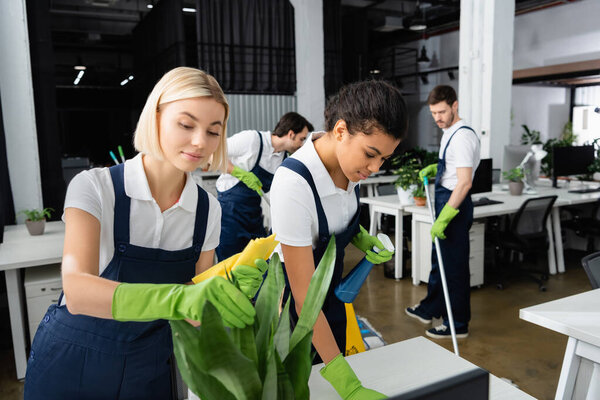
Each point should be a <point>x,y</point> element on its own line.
<point>253,158</point>
<point>458,159</point>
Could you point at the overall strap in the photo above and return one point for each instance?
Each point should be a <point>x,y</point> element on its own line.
<point>299,168</point>
<point>449,140</point>
<point>122,205</point>
<point>202,208</point>
<point>260,149</point>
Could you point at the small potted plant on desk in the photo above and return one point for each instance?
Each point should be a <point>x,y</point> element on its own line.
<point>407,174</point>
<point>515,177</point>
<point>36,220</point>
<point>419,195</point>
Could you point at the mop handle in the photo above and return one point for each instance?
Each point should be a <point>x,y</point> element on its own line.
<point>442,271</point>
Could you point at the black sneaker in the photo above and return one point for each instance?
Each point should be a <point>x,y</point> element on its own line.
<point>417,312</point>
<point>443,332</point>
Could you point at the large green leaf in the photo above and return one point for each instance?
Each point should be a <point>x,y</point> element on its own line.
<point>317,291</point>
<point>298,365</point>
<point>185,340</point>
<point>285,390</point>
<point>245,340</point>
<point>267,309</point>
<point>270,382</point>
<point>221,359</point>
<point>281,339</point>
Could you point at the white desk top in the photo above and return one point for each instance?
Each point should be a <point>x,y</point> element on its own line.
<point>21,250</point>
<point>576,316</point>
<point>406,365</point>
<point>390,200</point>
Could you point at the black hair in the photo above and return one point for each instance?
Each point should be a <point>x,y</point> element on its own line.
<point>442,93</point>
<point>369,105</point>
<point>291,121</point>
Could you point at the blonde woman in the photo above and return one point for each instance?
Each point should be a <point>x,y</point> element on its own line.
<point>135,234</point>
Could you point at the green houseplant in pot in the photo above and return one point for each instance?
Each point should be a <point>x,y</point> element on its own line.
<point>515,177</point>
<point>36,220</point>
<point>266,360</point>
<point>419,195</point>
<point>407,177</point>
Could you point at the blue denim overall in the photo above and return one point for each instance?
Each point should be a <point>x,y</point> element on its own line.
<point>333,308</point>
<point>455,255</point>
<point>81,357</point>
<point>241,218</point>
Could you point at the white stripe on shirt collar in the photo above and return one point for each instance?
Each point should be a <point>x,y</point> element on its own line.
<point>136,185</point>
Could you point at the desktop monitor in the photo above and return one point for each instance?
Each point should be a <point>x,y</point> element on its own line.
<point>571,160</point>
<point>482,181</point>
<point>512,158</point>
<point>472,385</point>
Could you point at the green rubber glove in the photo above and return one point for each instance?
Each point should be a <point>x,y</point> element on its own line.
<point>148,302</point>
<point>250,278</point>
<point>365,242</point>
<point>340,375</point>
<point>249,179</point>
<point>442,221</point>
<point>429,171</point>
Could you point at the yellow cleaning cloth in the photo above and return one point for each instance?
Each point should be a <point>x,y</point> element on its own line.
<point>256,248</point>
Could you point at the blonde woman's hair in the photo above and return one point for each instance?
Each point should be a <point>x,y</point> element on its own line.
<point>178,84</point>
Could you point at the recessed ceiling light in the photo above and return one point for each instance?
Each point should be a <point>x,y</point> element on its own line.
<point>79,67</point>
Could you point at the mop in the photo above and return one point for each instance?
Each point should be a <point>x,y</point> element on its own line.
<point>442,272</point>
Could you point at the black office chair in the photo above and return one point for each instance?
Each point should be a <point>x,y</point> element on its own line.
<point>591,265</point>
<point>584,226</point>
<point>526,235</point>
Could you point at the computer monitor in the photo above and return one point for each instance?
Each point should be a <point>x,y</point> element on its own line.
<point>482,181</point>
<point>571,160</point>
<point>512,158</point>
<point>472,385</point>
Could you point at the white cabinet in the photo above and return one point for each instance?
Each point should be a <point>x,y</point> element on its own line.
<point>422,255</point>
<point>43,287</point>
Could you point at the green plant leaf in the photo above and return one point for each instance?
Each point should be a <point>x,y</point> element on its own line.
<point>298,365</point>
<point>185,338</point>
<point>269,391</point>
<point>281,339</point>
<point>267,310</point>
<point>285,390</point>
<point>245,341</point>
<point>220,358</point>
<point>317,291</point>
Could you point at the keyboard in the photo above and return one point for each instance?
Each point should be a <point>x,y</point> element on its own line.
<point>586,190</point>
<point>485,202</point>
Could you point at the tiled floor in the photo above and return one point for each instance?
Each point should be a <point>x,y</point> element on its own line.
<point>499,341</point>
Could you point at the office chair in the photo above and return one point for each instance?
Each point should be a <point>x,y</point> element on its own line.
<point>591,265</point>
<point>588,227</point>
<point>526,235</point>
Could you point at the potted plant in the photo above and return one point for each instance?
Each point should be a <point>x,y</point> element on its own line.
<point>515,178</point>
<point>36,220</point>
<point>265,360</point>
<point>408,176</point>
<point>419,195</point>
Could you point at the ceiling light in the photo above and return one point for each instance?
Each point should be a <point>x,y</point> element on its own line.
<point>124,82</point>
<point>418,22</point>
<point>423,57</point>
<point>149,6</point>
<point>374,71</point>
<point>190,10</point>
<point>79,67</point>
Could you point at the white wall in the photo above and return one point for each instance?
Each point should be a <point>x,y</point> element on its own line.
<point>561,34</point>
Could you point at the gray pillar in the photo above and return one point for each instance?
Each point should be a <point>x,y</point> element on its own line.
<point>310,60</point>
<point>18,110</point>
<point>485,71</point>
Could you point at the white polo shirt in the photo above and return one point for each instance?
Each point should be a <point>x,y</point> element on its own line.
<point>173,229</point>
<point>293,209</point>
<point>463,151</point>
<point>242,150</point>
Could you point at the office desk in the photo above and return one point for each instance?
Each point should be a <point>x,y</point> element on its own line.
<point>578,317</point>
<point>21,250</point>
<point>510,204</point>
<point>403,366</point>
<point>390,205</point>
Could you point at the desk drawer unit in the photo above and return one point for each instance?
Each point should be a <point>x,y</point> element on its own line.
<point>43,286</point>
<point>476,237</point>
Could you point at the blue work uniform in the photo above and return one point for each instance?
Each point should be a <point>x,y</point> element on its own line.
<point>84,357</point>
<point>333,308</point>
<point>455,255</point>
<point>241,218</point>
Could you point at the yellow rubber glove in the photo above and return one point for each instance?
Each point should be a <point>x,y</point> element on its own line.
<point>149,302</point>
<point>442,221</point>
<point>429,171</point>
<point>340,375</point>
<point>249,179</point>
